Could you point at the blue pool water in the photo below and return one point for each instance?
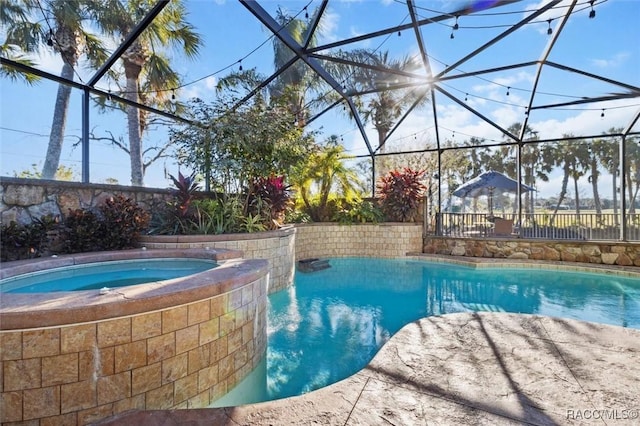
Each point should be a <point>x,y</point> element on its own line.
<point>332,322</point>
<point>106,274</point>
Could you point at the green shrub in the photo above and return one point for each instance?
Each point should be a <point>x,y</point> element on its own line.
<point>29,241</point>
<point>117,224</point>
<point>123,221</point>
<point>400,193</point>
<point>362,211</point>
<point>82,231</point>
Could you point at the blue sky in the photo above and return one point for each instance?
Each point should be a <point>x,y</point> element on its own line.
<point>606,45</point>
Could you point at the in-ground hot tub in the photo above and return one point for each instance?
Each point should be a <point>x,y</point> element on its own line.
<point>80,356</point>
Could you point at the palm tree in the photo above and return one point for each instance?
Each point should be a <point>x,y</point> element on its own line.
<point>149,77</point>
<point>573,157</point>
<point>385,107</point>
<point>324,173</point>
<point>597,152</point>
<point>610,159</point>
<point>293,83</point>
<point>632,172</point>
<point>68,36</point>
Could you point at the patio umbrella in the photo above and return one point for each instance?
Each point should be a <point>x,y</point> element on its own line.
<point>488,183</point>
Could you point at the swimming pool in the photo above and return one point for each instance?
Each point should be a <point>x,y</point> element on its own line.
<point>331,323</point>
<point>104,275</point>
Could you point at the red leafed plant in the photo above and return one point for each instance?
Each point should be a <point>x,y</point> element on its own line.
<point>399,193</point>
<point>271,197</point>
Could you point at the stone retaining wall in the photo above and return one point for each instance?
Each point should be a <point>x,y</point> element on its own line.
<point>368,240</point>
<point>23,200</point>
<point>603,252</point>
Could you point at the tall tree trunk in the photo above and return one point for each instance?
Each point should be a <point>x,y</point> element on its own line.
<point>56,137</point>
<point>577,197</point>
<point>615,197</point>
<point>594,185</point>
<point>135,138</point>
<point>563,193</point>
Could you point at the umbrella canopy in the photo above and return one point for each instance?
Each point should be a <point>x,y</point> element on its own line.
<point>488,183</point>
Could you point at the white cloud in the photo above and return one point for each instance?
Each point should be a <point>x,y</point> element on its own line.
<point>613,62</point>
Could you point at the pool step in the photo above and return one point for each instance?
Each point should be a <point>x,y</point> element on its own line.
<point>313,264</point>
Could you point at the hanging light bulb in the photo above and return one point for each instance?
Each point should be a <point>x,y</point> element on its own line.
<point>306,13</point>
<point>508,90</point>
<point>399,33</point>
<point>466,97</point>
<point>451,36</point>
<point>173,94</point>
<point>549,30</point>
<point>50,39</point>
<point>455,26</point>
<point>602,114</point>
<point>240,62</point>
<point>592,14</point>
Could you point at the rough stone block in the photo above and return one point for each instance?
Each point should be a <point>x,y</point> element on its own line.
<point>22,374</point>
<point>42,402</point>
<point>174,319</point>
<point>78,396</point>
<point>161,347</point>
<point>146,326</point>
<point>60,369</point>
<point>130,356</point>
<point>78,338</point>
<point>38,343</point>
<point>114,332</point>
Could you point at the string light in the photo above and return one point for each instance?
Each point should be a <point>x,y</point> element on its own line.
<point>455,26</point>
<point>240,67</point>
<point>602,113</point>
<point>451,36</point>
<point>466,97</point>
<point>549,30</point>
<point>592,13</point>
<point>508,90</point>
<point>50,39</point>
<point>173,94</point>
<point>306,13</point>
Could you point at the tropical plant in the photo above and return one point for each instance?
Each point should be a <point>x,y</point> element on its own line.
<point>270,198</point>
<point>399,193</point>
<point>292,83</point>
<point>149,77</point>
<point>123,222</point>
<point>185,189</point>
<point>360,211</point>
<point>258,139</point>
<point>68,34</point>
<point>384,81</point>
<point>18,241</point>
<point>324,173</point>
<point>82,231</point>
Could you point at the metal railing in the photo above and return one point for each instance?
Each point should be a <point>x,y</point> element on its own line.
<point>561,226</point>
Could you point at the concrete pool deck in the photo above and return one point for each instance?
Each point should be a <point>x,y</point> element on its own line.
<point>463,369</point>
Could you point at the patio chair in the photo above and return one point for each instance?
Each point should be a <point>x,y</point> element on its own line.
<point>503,227</point>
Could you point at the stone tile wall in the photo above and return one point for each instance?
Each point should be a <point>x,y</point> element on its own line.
<point>23,200</point>
<point>609,253</point>
<point>368,240</point>
<point>277,247</point>
<point>184,356</point>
